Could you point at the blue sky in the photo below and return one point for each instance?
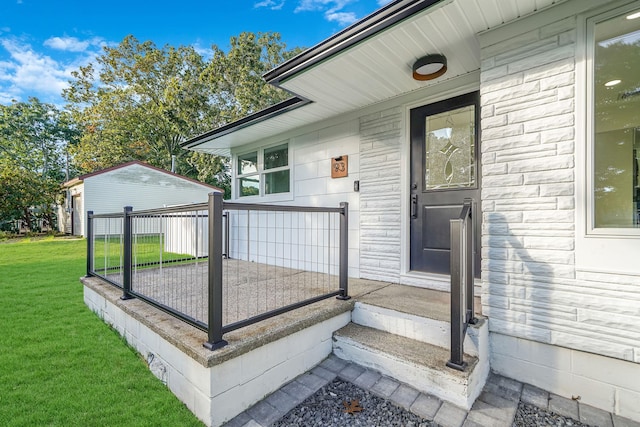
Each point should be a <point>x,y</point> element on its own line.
<point>43,41</point>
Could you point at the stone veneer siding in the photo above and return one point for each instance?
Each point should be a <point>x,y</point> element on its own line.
<point>531,287</point>
<point>551,324</point>
<point>380,195</point>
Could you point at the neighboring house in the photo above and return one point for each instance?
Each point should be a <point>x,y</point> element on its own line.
<point>536,117</point>
<point>135,184</point>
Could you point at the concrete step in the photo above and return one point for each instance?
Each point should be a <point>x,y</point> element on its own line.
<point>419,364</point>
<point>416,313</point>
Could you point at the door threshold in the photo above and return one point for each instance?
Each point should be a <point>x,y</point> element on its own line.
<point>436,282</point>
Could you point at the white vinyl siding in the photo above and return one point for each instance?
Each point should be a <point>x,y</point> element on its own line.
<point>139,187</point>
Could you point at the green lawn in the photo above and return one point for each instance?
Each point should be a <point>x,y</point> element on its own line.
<point>147,249</point>
<point>60,365</point>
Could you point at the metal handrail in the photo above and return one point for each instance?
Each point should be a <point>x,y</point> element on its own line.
<point>217,213</point>
<point>216,328</point>
<point>462,274</point>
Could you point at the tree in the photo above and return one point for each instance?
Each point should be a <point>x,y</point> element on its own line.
<point>33,142</point>
<point>236,79</point>
<point>139,102</point>
<point>34,136</point>
<point>26,196</point>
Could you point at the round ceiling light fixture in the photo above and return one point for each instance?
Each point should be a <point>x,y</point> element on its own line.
<point>429,67</point>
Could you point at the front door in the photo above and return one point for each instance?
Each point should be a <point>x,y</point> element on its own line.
<point>444,171</point>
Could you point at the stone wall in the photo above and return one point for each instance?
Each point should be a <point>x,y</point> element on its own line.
<point>380,195</point>
<point>528,137</point>
<point>551,324</point>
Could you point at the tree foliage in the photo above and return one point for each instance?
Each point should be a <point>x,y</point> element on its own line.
<point>235,77</point>
<point>26,196</point>
<point>139,102</point>
<point>33,141</point>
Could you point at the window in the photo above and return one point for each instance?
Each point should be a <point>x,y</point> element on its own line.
<point>264,171</point>
<point>615,121</point>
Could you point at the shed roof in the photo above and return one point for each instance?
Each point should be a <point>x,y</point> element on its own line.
<point>371,62</point>
<point>81,178</point>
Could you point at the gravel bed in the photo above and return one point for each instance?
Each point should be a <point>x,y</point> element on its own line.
<point>326,408</point>
<point>528,415</point>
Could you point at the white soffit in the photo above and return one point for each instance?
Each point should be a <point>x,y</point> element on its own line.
<point>379,68</point>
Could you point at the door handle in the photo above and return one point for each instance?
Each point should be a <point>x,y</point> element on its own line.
<point>414,206</point>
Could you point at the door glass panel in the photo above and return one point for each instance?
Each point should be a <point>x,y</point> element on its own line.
<point>449,147</point>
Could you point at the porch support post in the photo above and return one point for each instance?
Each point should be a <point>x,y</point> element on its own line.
<point>90,240</point>
<point>457,295</point>
<point>215,340</point>
<point>344,252</point>
<point>126,254</point>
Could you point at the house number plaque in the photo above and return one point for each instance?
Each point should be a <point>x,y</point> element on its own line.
<point>340,167</point>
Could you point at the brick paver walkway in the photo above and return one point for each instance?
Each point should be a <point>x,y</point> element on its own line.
<point>495,407</point>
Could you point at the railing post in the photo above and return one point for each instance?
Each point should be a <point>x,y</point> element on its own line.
<point>344,252</point>
<point>470,267</point>
<point>215,340</point>
<point>90,240</point>
<point>126,254</point>
<point>457,301</point>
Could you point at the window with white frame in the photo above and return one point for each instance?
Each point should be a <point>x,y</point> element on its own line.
<point>263,171</point>
<point>614,121</point>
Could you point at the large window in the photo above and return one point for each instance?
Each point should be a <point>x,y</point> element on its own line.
<point>263,171</point>
<point>615,129</point>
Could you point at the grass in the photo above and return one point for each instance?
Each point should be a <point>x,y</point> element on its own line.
<point>147,250</point>
<point>60,365</point>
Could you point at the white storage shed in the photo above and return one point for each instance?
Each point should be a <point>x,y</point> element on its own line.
<point>135,184</point>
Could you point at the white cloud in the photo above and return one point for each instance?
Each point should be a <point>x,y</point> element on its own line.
<point>26,72</point>
<point>384,2</point>
<point>342,18</point>
<point>333,10</point>
<point>70,44</point>
<point>271,4</point>
<point>205,52</point>
<point>330,5</point>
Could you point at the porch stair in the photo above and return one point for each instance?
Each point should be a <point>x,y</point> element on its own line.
<point>404,332</point>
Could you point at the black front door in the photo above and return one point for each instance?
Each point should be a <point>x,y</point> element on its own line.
<point>444,171</point>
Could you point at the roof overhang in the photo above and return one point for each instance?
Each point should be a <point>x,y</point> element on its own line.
<point>373,24</point>
<point>370,62</point>
<point>267,113</point>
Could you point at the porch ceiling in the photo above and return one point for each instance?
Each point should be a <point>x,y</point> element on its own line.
<point>379,67</point>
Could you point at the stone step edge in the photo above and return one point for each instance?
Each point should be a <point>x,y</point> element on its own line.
<point>421,328</point>
<point>419,364</point>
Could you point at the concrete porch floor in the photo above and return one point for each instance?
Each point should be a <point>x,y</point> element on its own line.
<point>190,339</point>
<point>405,299</point>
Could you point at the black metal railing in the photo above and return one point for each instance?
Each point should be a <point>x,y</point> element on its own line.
<point>462,277</point>
<point>222,266</point>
